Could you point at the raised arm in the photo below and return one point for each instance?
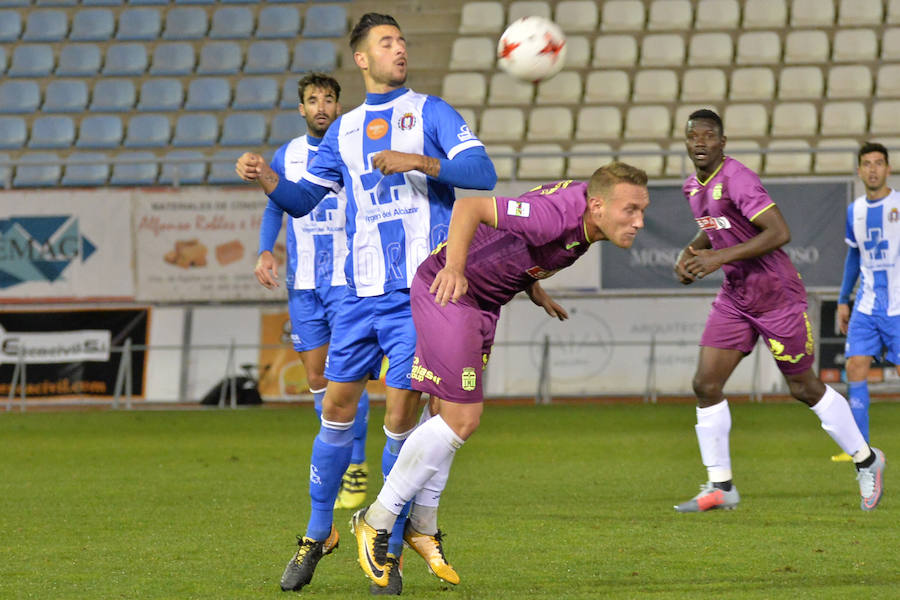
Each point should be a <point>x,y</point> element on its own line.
<point>450,282</point>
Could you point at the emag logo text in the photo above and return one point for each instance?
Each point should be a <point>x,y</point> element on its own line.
<point>40,248</point>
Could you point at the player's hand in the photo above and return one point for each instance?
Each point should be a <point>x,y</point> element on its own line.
<point>391,161</point>
<point>540,297</point>
<point>681,271</point>
<point>700,263</point>
<point>448,286</point>
<point>843,317</point>
<point>249,166</point>
<point>266,270</point>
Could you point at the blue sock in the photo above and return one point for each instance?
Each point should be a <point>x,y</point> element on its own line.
<point>360,428</point>
<point>318,397</point>
<point>330,458</point>
<point>388,458</point>
<point>859,405</point>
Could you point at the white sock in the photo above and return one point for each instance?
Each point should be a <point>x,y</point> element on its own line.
<point>426,412</point>
<point>713,428</point>
<point>423,518</point>
<point>837,419</point>
<point>423,514</point>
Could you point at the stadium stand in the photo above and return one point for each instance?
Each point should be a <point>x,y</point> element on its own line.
<point>36,169</point>
<point>528,8</point>
<point>113,95</point>
<point>267,57</point>
<point>100,131</point>
<point>139,24</point>
<point>255,93</point>
<point>162,93</point>
<point>46,26</point>
<point>79,60</point>
<point>148,131</point>
<point>670,14</point>
<point>278,22</point>
<point>13,133</point>
<point>31,60</point>
<point>92,25</point>
<point>185,23</point>
<point>10,25</point>
<point>135,168</point>
<point>52,132</point>
<point>208,93</point>
<point>19,97</point>
<point>183,167</point>
<point>86,169</point>
<point>65,96</point>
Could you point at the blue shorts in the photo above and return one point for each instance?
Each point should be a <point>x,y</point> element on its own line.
<point>367,329</point>
<point>868,335</point>
<point>312,315</point>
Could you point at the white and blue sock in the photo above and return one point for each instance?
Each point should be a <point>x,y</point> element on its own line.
<point>330,457</point>
<point>859,405</point>
<point>392,448</point>
<point>318,398</point>
<point>834,412</point>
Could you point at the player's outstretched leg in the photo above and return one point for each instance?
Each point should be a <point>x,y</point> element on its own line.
<point>300,568</point>
<point>354,483</point>
<point>711,498</point>
<point>372,545</point>
<point>871,481</point>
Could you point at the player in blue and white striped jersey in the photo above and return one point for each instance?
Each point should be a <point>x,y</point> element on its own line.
<point>316,251</point>
<point>873,237</point>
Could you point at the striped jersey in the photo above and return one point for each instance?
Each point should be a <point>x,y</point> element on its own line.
<point>393,221</point>
<point>873,226</point>
<point>317,242</point>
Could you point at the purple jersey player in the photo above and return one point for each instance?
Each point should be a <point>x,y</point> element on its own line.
<point>742,231</point>
<point>496,247</point>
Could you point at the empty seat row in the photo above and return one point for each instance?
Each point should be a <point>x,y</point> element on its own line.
<point>171,58</point>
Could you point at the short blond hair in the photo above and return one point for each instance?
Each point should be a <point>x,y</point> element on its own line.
<point>606,177</point>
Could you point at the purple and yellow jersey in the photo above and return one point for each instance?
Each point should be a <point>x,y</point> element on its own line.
<point>725,206</point>
<point>537,234</point>
<point>873,226</point>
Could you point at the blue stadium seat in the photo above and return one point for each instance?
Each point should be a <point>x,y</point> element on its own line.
<point>46,26</point>
<point>31,60</point>
<point>232,23</point>
<point>139,24</point>
<point>100,131</point>
<point>208,93</point>
<point>19,97</point>
<point>325,20</point>
<point>10,25</point>
<point>314,55</point>
<point>125,59</point>
<point>6,170</point>
<point>267,57</point>
<point>113,95</point>
<point>255,93</point>
<point>93,25</point>
<point>173,58</point>
<point>134,168</point>
<point>148,131</point>
<point>65,96</point>
<point>290,94</point>
<point>185,23</point>
<point>220,58</point>
<point>221,169</point>
<point>56,2</point>
<point>29,174</point>
<point>52,132</point>
<point>285,127</point>
<point>79,60</point>
<point>195,1</point>
<point>155,2</point>
<point>102,2</point>
<point>12,133</point>
<point>196,130</point>
<point>187,168</point>
<point>278,22</point>
<point>243,129</point>
<point>2,60</point>
<point>86,169</point>
<point>161,94</point>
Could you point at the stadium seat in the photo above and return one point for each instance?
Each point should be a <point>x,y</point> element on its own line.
<point>264,57</point>
<point>161,93</point>
<point>232,23</point>
<point>579,53</point>
<point>806,47</point>
<point>150,2</point>
<point>86,169</point>
<point>890,44</point>
<point>10,25</point>
<point>139,24</point>
<point>102,2</point>
<point>794,119</point>
<point>46,26</point>
<point>65,96</point>
<point>884,119</point>
<point>196,130</point>
<point>314,55</point>
<point>56,2</point>
<point>642,122</point>
<point>746,120</point>
<point>79,60</point>
<point>6,170</point>
<point>662,50</point>
<point>644,155</point>
<point>464,88</point>
<point>752,83</point>
<point>221,169</point>
<point>679,165</point>
<point>812,13</point>
<point>764,14</point>
<point>506,89</point>
<point>785,163</point>
<point>243,129</point>
<point>849,81</point>
<point>800,82</point>
<point>183,167</point>
<point>113,95</point>
<point>843,162</point>
<point>30,174</point>
<point>527,8</point>
<point>220,58</point>
<point>595,154</point>
<point>286,126</point>
<point>208,93</point>
<point>325,20</point>
<point>173,58</point>
<point>473,54</point>
<point>290,98</point>
<point>607,86</point>
<point>13,133</point>
<point>505,166</point>
<point>887,83</point>
<point>843,118</point>
<point>562,88</point>
<point>710,49</point>
<point>19,97</point>
<point>134,168</point>
<point>481,17</point>
<point>655,85</point>
<point>598,123</point>
<point>148,131</point>
<point>185,23</point>
<point>893,12</point>
<point>92,25</point>
<point>612,51</point>
<point>670,14</point>
<point>683,111</point>
<point>746,152</point>
<point>278,22</point>
<point>125,59</point>
<point>549,166</point>
<point>575,16</point>
<point>501,125</point>
<point>717,14</point>
<point>198,1</point>
<point>703,85</point>
<point>622,15</point>
<point>853,13</point>
<point>854,45</point>
<point>2,60</point>
<point>100,131</point>
<point>550,123</point>
<point>52,132</point>
<point>31,60</point>
<point>255,93</point>
<point>758,47</point>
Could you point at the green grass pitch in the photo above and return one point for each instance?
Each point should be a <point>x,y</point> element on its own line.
<point>557,502</point>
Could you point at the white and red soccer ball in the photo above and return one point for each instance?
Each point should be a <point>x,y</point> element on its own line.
<point>532,49</point>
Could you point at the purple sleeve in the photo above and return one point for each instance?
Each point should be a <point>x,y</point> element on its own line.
<point>534,218</point>
<point>749,195</point>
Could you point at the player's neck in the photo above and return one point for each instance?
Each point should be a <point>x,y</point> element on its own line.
<point>878,194</point>
<point>704,175</point>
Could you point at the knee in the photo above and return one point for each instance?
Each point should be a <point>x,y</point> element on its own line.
<point>708,391</point>
<point>316,381</point>
<point>807,392</point>
<point>858,368</point>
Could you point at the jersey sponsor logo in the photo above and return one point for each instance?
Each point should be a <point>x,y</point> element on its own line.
<point>540,272</point>
<point>717,191</point>
<point>518,209</point>
<point>376,129</point>
<point>465,133</point>
<point>407,121</point>
<point>708,223</point>
<point>469,378</point>
<point>422,373</point>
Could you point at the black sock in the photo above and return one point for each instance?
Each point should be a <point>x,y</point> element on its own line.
<point>723,485</point>
<point>866,463</point>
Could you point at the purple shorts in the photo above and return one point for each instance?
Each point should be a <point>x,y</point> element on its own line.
<point>453,343</point>
<point>786,331</point>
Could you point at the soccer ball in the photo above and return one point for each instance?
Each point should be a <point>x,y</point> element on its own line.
<point>532,49</point>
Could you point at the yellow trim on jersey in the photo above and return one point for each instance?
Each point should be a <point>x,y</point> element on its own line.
<point>586,236</point>
<point>714,173</point>
<point>762,211</point>
<point>496,222</point>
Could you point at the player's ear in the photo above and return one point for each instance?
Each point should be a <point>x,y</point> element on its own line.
<point>338,109</point>
<point>361,60</point>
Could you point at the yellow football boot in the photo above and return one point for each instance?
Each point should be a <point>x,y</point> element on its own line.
<point>354,486</point>
<point>430,548</point>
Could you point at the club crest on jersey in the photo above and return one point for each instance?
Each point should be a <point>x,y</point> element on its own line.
<point>469,378</point>
<point>518,209</point>
<point>707,223</point>
<point>717,192</point>
<point>407,121</point>
<point>894,215</point>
